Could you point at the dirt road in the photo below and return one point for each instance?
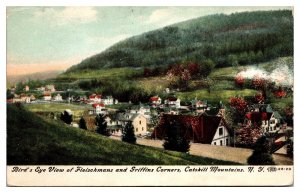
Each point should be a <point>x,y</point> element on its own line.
<point>239,155</point>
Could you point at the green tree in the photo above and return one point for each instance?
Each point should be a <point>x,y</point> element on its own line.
<point>128,133</point>
<point>82,123</point>
<point>174,140</point>
<point>66,117</point>
<point>101,125</point>
<point>9,95</point>
<point>261,154</point>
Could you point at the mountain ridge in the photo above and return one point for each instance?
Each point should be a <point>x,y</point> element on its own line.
<point>244,37</point>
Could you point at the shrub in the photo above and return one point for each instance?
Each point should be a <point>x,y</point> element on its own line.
<point>101,125</point>
<point>128,133</point>
<point>261,154</point>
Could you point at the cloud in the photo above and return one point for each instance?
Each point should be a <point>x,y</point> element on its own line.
<point>67,15</point>
<point>166,16</point>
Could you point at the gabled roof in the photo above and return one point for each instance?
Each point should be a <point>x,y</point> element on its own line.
<point>256,117</point>
<point>93,96</point>
<point>154,98</point>
<point>98,104</point>
<point>197,128</point>
<point>172,98</point>
<point>47,94</point>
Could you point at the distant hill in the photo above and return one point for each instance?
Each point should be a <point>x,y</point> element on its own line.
<point>242,38</point>
<point>34,140</point>
<point>11,80</point>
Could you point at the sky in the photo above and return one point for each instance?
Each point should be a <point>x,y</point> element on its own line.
<point>54,38</point>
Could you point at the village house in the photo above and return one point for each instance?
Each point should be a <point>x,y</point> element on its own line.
<point>140,109</point>
<point>32,98</point>
<point>199,104</point>
<point>199,129</point>
<point>22,98</point>
<point>113,125</point>
<point>47,96</point>
<point>268,121</point>
<point>42,89</point>
<point>262,115</point>
<point>26,88</point>
<point>95,98</point>
<point>57,97</point>
<point>172,101</point>
<point>50,88</point>
<point>99,108</point>
<point>155,101</point>
<point>139,122</point>
<point>108,100</point>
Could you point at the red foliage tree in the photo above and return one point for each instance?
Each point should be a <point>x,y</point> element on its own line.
<point>176,70</point>
<point>193,68</point>
<point>279,93</point>
<point>248,135</point>
<point>239,80</point>
<point>258,82</point>
<point>239,108</point>
<point>239,104</point>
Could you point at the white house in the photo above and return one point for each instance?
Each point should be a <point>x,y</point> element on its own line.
<point>94,98</point>
<point>47,97</point>
<point>221,136</point>
<point>173,102</point>
<point>140,110</point>
<point>50,88</point>
<point>108,100</point>
<point>58,97</point>
<point>268,121</point>
<point>139,122</point>
<point>99,108</point>
<point>155,100</point>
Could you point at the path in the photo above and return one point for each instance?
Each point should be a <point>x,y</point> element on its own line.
<point>239,155</point>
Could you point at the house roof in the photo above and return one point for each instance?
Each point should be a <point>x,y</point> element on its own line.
<point>172,98</point>
<point>154,98</point>
<point>98,104</point>
<point>47,94</point>
<point>258,116</point>
<point>197,128</point>
<point>93,96</point>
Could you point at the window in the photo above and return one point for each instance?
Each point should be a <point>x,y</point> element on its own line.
<point>136,129</point>
<point>215,143</point>
<point>140,122</point>
<point>221,142</point>
<point>142,128</point>
<point>220,131</point>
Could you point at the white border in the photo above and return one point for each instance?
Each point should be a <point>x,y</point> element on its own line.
<point>4,3</point>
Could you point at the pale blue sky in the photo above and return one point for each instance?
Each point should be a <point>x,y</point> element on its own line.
<point>63,36</point>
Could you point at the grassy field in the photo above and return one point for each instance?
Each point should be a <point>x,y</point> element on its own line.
<point>154,84</point>
<point>34,140</point>
<point>215,95</point>
<point>102,74</point>
<point>57,108</point>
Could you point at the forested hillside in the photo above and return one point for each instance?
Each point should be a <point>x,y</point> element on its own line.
<point>224,40</point>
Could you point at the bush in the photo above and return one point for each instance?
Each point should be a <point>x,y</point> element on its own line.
<point>66,117</point>
<point>261,154</point>
<point>128,133</point>
<point>82,123</point>
<point>101,125</point>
